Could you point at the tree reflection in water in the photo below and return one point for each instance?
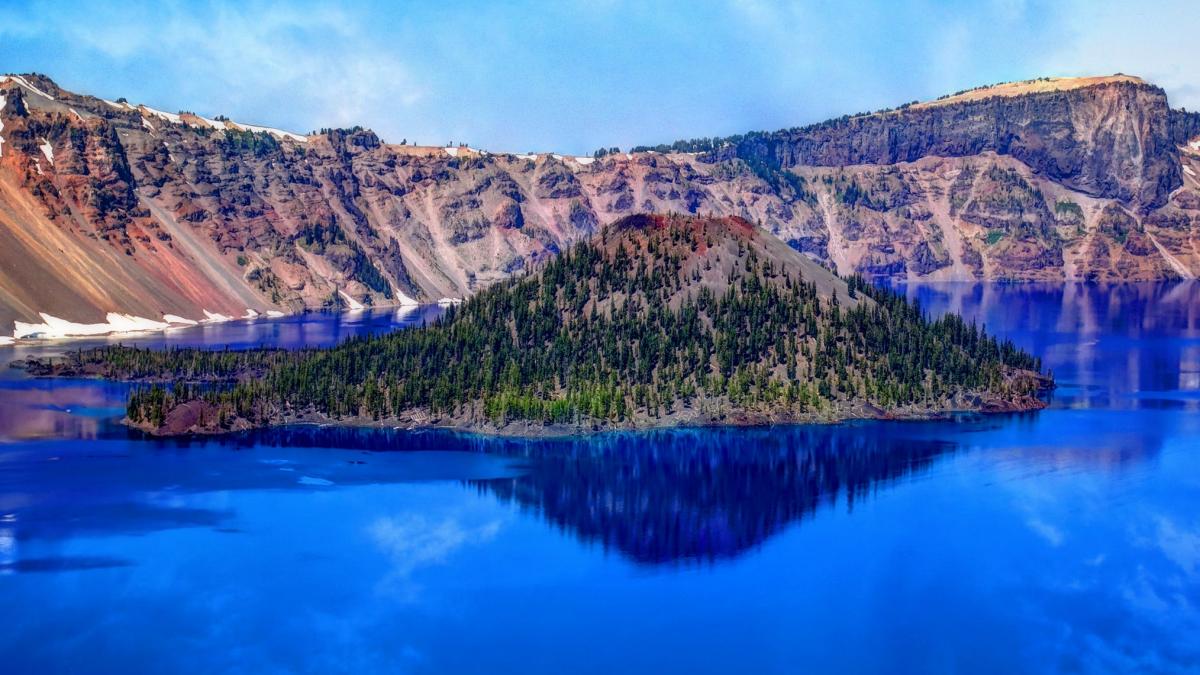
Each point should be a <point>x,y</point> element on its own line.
<point>706,494</point>
<point>674,495</point>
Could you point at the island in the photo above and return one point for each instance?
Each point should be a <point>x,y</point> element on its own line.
<point>655,320</point>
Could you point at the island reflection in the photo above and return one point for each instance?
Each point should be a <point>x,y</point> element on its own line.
<point>705,494</point>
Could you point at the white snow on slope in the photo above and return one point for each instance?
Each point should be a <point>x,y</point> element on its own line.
<point>125,323</point>
<point>217,125</point>
<point>585,160</point>
<point>250,314</point>
<point>115,323</point>
<point>274,132</point>
<point>353,304</point>
<point>453,152</point>
<point>3,102</point>
<point>170,117</point>
<point>405,301</point>
<point>24,83</point>
<point>275,314</point>
<point>212,124</point>
<point>48,151</point>
<point>1188,170</point>
<point>53,327</point>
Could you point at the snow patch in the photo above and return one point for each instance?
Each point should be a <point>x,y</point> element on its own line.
<point>176,319</point>
<point>53,327</point>
<point>3,102</point>
<point>212,124</point>
<point>77,114</point>
<point>1188,170</point>
<point>146,123</point>
<point>38,165</point>
<point>5,340</point>
<point>275,314</point>
<point>124,323</point>
<point>404,299</point>
<point>214,317</point>
<point>274,132</point>
<point>170,117</point>
<point>48,151</point>
<point>24,83</point>
<point>353,304</point>
<point>453,152</point>
<point>585,160</point>
<point>120,106</point>
<point>446,302</point>
<point>529,156</point>
<point>250,314</point>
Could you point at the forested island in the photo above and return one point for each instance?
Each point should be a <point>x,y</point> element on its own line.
<point>655,321</point>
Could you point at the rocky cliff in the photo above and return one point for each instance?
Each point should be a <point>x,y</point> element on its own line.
<point>1105,137</point>
<point>111,207</point>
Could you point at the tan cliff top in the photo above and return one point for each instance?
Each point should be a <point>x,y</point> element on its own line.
<point>1038,86</point>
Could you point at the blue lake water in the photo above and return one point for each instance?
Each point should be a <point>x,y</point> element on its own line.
<point>1062,541</point>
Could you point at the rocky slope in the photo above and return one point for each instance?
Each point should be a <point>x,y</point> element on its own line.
<point>110,207</point>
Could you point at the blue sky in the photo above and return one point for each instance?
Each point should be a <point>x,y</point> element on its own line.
<point>573,76</point>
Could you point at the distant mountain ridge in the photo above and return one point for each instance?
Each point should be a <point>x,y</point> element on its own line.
<point>109,207</point>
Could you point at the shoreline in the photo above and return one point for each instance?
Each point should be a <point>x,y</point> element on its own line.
<point>557,433</point>
<point>187,420</point>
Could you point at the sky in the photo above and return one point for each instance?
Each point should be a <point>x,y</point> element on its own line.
<point>571,76</point>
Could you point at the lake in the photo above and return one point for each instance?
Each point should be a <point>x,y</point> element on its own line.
<point>1063,540</point>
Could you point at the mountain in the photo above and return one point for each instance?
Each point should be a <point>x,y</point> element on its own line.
<point>110,208</point>
<point>656,320</point>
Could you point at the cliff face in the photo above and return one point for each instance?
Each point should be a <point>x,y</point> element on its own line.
<point>1109,139</point>
<point>1184,126</point>
<point>110,207</point>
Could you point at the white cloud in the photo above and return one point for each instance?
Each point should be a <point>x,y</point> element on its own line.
<point>273,64</point>
<point>1180,545</point>
<point>570,76</point>
<point>1050,533</point>
<point>1159,42</point>
<point>414,541</point>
